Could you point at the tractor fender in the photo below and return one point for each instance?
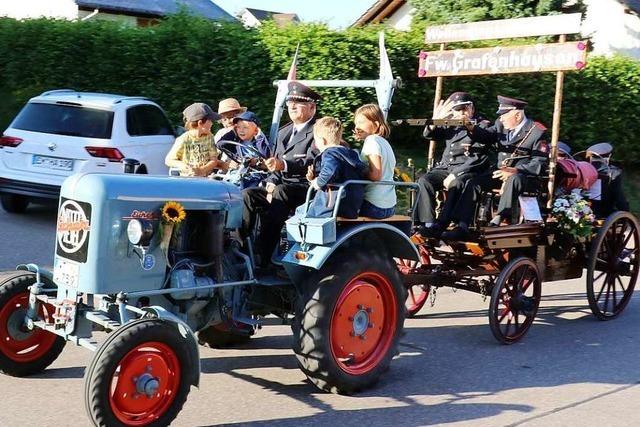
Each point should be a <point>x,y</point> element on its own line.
<point>393,240</point>
<point>185,331</point>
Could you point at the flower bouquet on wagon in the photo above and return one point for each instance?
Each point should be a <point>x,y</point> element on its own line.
<point>574,215</point>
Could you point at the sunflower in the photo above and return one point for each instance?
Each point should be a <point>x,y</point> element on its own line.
<point>173,213</point>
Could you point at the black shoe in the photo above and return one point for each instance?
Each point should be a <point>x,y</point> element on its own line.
<point>433,232</point>
<point>458,233</point>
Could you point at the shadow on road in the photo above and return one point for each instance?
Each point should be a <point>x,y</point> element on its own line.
<point>452,364</point>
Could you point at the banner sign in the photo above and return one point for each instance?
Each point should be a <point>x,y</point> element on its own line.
<point>505,28</point>
<point>503,60</point>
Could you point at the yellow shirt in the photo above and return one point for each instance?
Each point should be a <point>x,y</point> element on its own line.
<point>191,150</point>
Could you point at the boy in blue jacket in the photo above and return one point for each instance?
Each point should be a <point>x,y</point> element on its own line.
<point>335,165</point>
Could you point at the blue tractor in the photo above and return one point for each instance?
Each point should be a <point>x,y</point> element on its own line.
<point>157,262</point>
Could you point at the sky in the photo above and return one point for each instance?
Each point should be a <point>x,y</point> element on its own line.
<point>335,13</point>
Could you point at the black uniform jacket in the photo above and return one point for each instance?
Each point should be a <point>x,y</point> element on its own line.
<point>298,152</point>
<point>455,158</point>
<point>527,151</point>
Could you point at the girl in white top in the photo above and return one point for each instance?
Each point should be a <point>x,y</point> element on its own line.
<point>371,126</point>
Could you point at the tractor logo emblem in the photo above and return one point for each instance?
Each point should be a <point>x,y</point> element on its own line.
<point>52,146</point>
<point>72,228</point>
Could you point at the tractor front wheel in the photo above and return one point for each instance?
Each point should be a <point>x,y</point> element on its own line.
<point>140,376</point>
<point>22,351</point>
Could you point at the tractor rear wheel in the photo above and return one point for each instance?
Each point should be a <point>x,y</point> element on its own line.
<point>349,320</point>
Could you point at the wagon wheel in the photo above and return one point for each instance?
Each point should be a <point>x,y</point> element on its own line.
<point>417,295</point>
<point>514,300</point>
<point>141,375</point>
<point>348,322</point>
<point>613,265</point>
<point>23,351</point>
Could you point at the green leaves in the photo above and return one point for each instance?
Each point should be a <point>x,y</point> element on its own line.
<point>185,59</point>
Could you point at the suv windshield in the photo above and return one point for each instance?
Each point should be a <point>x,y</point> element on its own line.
<point>65,120</point>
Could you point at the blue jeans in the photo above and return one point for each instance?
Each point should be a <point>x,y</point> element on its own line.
<point>372,211</point>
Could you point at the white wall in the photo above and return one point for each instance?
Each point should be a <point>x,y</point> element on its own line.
<point>611,29</point>
<point>248,19</point>
<point>125,19</point>
<point>22,9</point>
<point>401,18</point>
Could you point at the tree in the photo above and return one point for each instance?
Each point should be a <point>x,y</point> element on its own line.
<point>458,11</point>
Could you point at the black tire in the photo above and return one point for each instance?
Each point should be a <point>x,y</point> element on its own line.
<point>221,336</point>
<point>14,203</point>
<point>332,304</point>
<point>165,350</point>
<point>615,254</point>
<point>516,293</point>
<point>24,352</point>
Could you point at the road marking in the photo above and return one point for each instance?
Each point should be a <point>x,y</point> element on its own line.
<point>573,405</point>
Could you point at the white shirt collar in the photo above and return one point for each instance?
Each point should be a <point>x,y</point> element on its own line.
<point>301,126</point>
<point>521,125</point>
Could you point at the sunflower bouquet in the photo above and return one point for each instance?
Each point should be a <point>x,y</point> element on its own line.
<point>172,214</point>
<point>574,215</point>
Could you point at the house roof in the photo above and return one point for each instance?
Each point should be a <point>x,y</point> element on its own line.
<point>280,18</point>
<point>633,5</point>
<point>380,10</point>
<point>158,8</point>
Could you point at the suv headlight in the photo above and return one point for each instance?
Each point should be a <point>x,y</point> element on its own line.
<point>140,232</point>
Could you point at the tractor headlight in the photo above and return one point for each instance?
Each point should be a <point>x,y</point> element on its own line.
<point>140,232</point>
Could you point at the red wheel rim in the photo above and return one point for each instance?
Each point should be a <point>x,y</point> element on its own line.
<point>518,302</point>
<point>416,297</point>
<point>144,384</point>
<point>416,294</point>
<point>18,343</point>
<point>363,323</point>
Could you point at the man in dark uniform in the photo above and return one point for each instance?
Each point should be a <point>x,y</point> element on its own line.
<point>462,159</point>
<point>286,186</point>
<point>608,195</point>
<point>522,154</point>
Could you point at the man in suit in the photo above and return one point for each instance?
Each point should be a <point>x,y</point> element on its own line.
<point>522,154</point>
<point>286,186</point>
<point>462,159</point>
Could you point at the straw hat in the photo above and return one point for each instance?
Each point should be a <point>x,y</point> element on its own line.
<point>230,104</point>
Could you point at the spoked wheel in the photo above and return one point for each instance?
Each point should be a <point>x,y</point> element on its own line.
<point>613,265</point>
<point>348,323</point>
<point>23,351</point>
<point>140,376</point>
<point>417,295</point>
<point>514,300</point>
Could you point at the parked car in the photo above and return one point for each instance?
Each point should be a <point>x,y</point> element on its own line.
<point>62,132</point>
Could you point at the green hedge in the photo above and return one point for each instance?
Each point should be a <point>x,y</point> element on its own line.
<point>185,59</point>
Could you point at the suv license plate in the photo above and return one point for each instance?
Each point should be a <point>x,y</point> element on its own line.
<point>52,163</point>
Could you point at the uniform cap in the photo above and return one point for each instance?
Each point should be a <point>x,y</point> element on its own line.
<point>507,104</point>
<point>199,111</point>
<point>602,149</point>
<point>564,147</point>
<point>301,93</point>
<point>460,98</point>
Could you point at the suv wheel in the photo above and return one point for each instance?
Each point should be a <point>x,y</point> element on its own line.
<point>14,203</point>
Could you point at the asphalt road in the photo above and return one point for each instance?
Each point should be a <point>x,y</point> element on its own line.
<point>570,370</point>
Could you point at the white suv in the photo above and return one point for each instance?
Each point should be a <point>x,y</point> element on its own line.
<point>63,132</point>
